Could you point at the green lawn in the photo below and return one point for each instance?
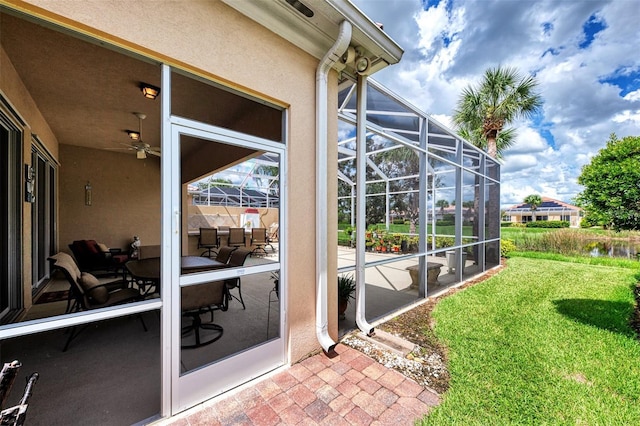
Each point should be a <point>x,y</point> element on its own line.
<point>543,342</point>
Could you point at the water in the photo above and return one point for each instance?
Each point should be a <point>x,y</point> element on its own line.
<point>613,248</point>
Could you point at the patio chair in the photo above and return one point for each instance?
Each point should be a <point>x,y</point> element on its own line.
<point>259,240</point>
<point>224,254</point>
<point>236,237</point>
<point>208,240</point>
<point>197,300</point>
<point>86,292</point>
<point>93,256</point>
<point>237,259</point>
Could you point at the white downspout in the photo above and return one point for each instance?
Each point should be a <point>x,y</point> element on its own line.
<point>330,58</point>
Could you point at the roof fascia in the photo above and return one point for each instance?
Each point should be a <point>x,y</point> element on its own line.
<point>317,34</point>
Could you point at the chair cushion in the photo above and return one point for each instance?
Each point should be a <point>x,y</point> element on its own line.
<point>103,248</point>
<point>91,287</point>
<point>92,246</point>
<point>63,260</point>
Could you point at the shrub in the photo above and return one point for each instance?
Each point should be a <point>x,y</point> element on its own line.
<point>506,247</point>
<point>445,223</point>
<point>507,224</point>
<point>548,224</point>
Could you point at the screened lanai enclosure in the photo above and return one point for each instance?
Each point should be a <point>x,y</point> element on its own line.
<point>427,201</point>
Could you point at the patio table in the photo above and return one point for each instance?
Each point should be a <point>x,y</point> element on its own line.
<point>146,272</point>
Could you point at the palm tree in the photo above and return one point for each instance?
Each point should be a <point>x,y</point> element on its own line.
<point>534,200</point>
<point>484,113</point>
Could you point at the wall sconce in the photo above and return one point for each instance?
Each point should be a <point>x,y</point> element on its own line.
<point>87,194</point>
<point>29,184</point>
<point>133,135</point>
<point>149,91</point>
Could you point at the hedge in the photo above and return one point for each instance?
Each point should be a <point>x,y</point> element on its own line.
<point>548,224</point>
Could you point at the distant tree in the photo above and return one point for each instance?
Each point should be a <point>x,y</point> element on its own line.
<point>484,113</point>
<point>204,184</point>
<point>443,204</point>
<point>611,191</point>
<point>534,200</point>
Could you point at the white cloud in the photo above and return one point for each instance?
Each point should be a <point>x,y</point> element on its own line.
<point>449,46</point>
<point>632,96</point>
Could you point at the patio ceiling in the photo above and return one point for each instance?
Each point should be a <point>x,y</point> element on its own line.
<point>89,94</point>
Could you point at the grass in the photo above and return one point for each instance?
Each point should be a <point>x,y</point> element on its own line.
<point>543,342</point>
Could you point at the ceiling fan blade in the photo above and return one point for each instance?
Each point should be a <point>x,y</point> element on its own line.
<point>156,153</point>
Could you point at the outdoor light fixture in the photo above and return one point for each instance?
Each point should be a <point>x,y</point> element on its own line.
<point>133,135</point>
<point>349,55</point>
<point>149,91</point>
<point>362,64</point>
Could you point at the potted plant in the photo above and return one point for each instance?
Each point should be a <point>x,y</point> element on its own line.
<point>346,288</point>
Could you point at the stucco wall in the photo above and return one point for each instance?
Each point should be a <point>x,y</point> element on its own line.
<point>125,197</point>
<point>225,45</point>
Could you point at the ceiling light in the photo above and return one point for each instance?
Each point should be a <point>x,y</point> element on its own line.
<point>140,154</point>
<point>133,135</point>
<point>149,91</point>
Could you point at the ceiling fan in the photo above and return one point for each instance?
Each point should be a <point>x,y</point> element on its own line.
<point>141,148</point>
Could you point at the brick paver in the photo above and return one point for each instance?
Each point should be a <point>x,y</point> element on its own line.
<point>347,389</point>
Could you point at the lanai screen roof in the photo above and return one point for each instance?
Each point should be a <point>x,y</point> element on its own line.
<point>397,123</point>
<point>252,183</point>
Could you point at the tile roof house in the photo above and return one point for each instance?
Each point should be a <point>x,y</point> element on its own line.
<point>549,209</point>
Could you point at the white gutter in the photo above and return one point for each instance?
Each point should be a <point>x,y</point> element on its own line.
<point>330,58</point>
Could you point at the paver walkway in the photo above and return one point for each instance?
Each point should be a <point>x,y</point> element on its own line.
<point>348,389</point>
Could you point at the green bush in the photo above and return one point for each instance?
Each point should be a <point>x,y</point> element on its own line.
<point>548,224</point>
<point>445,223</point>
<point>506,247</point>
<point>506,224</point>
<point>398,221</point>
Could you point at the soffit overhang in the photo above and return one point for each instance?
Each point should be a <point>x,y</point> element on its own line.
<point>315,35</point>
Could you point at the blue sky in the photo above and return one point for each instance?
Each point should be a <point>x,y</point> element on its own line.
<point>584,54</point>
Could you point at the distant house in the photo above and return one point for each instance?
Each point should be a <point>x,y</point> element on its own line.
<point>550,209</point>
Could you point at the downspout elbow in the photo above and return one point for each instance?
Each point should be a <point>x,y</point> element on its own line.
<point>322,72</point>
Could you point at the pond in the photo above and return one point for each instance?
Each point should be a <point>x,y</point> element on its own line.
<point>613,248</point>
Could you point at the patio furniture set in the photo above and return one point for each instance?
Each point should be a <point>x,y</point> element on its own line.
<point>138,279</point>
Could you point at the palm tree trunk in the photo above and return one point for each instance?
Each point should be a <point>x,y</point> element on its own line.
<point>492,147</point>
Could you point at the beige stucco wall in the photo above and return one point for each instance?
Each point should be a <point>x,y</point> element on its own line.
<point>222,43</point>
<point>125,197</point>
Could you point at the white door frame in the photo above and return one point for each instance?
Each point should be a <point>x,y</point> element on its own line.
<point>204,383</point>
